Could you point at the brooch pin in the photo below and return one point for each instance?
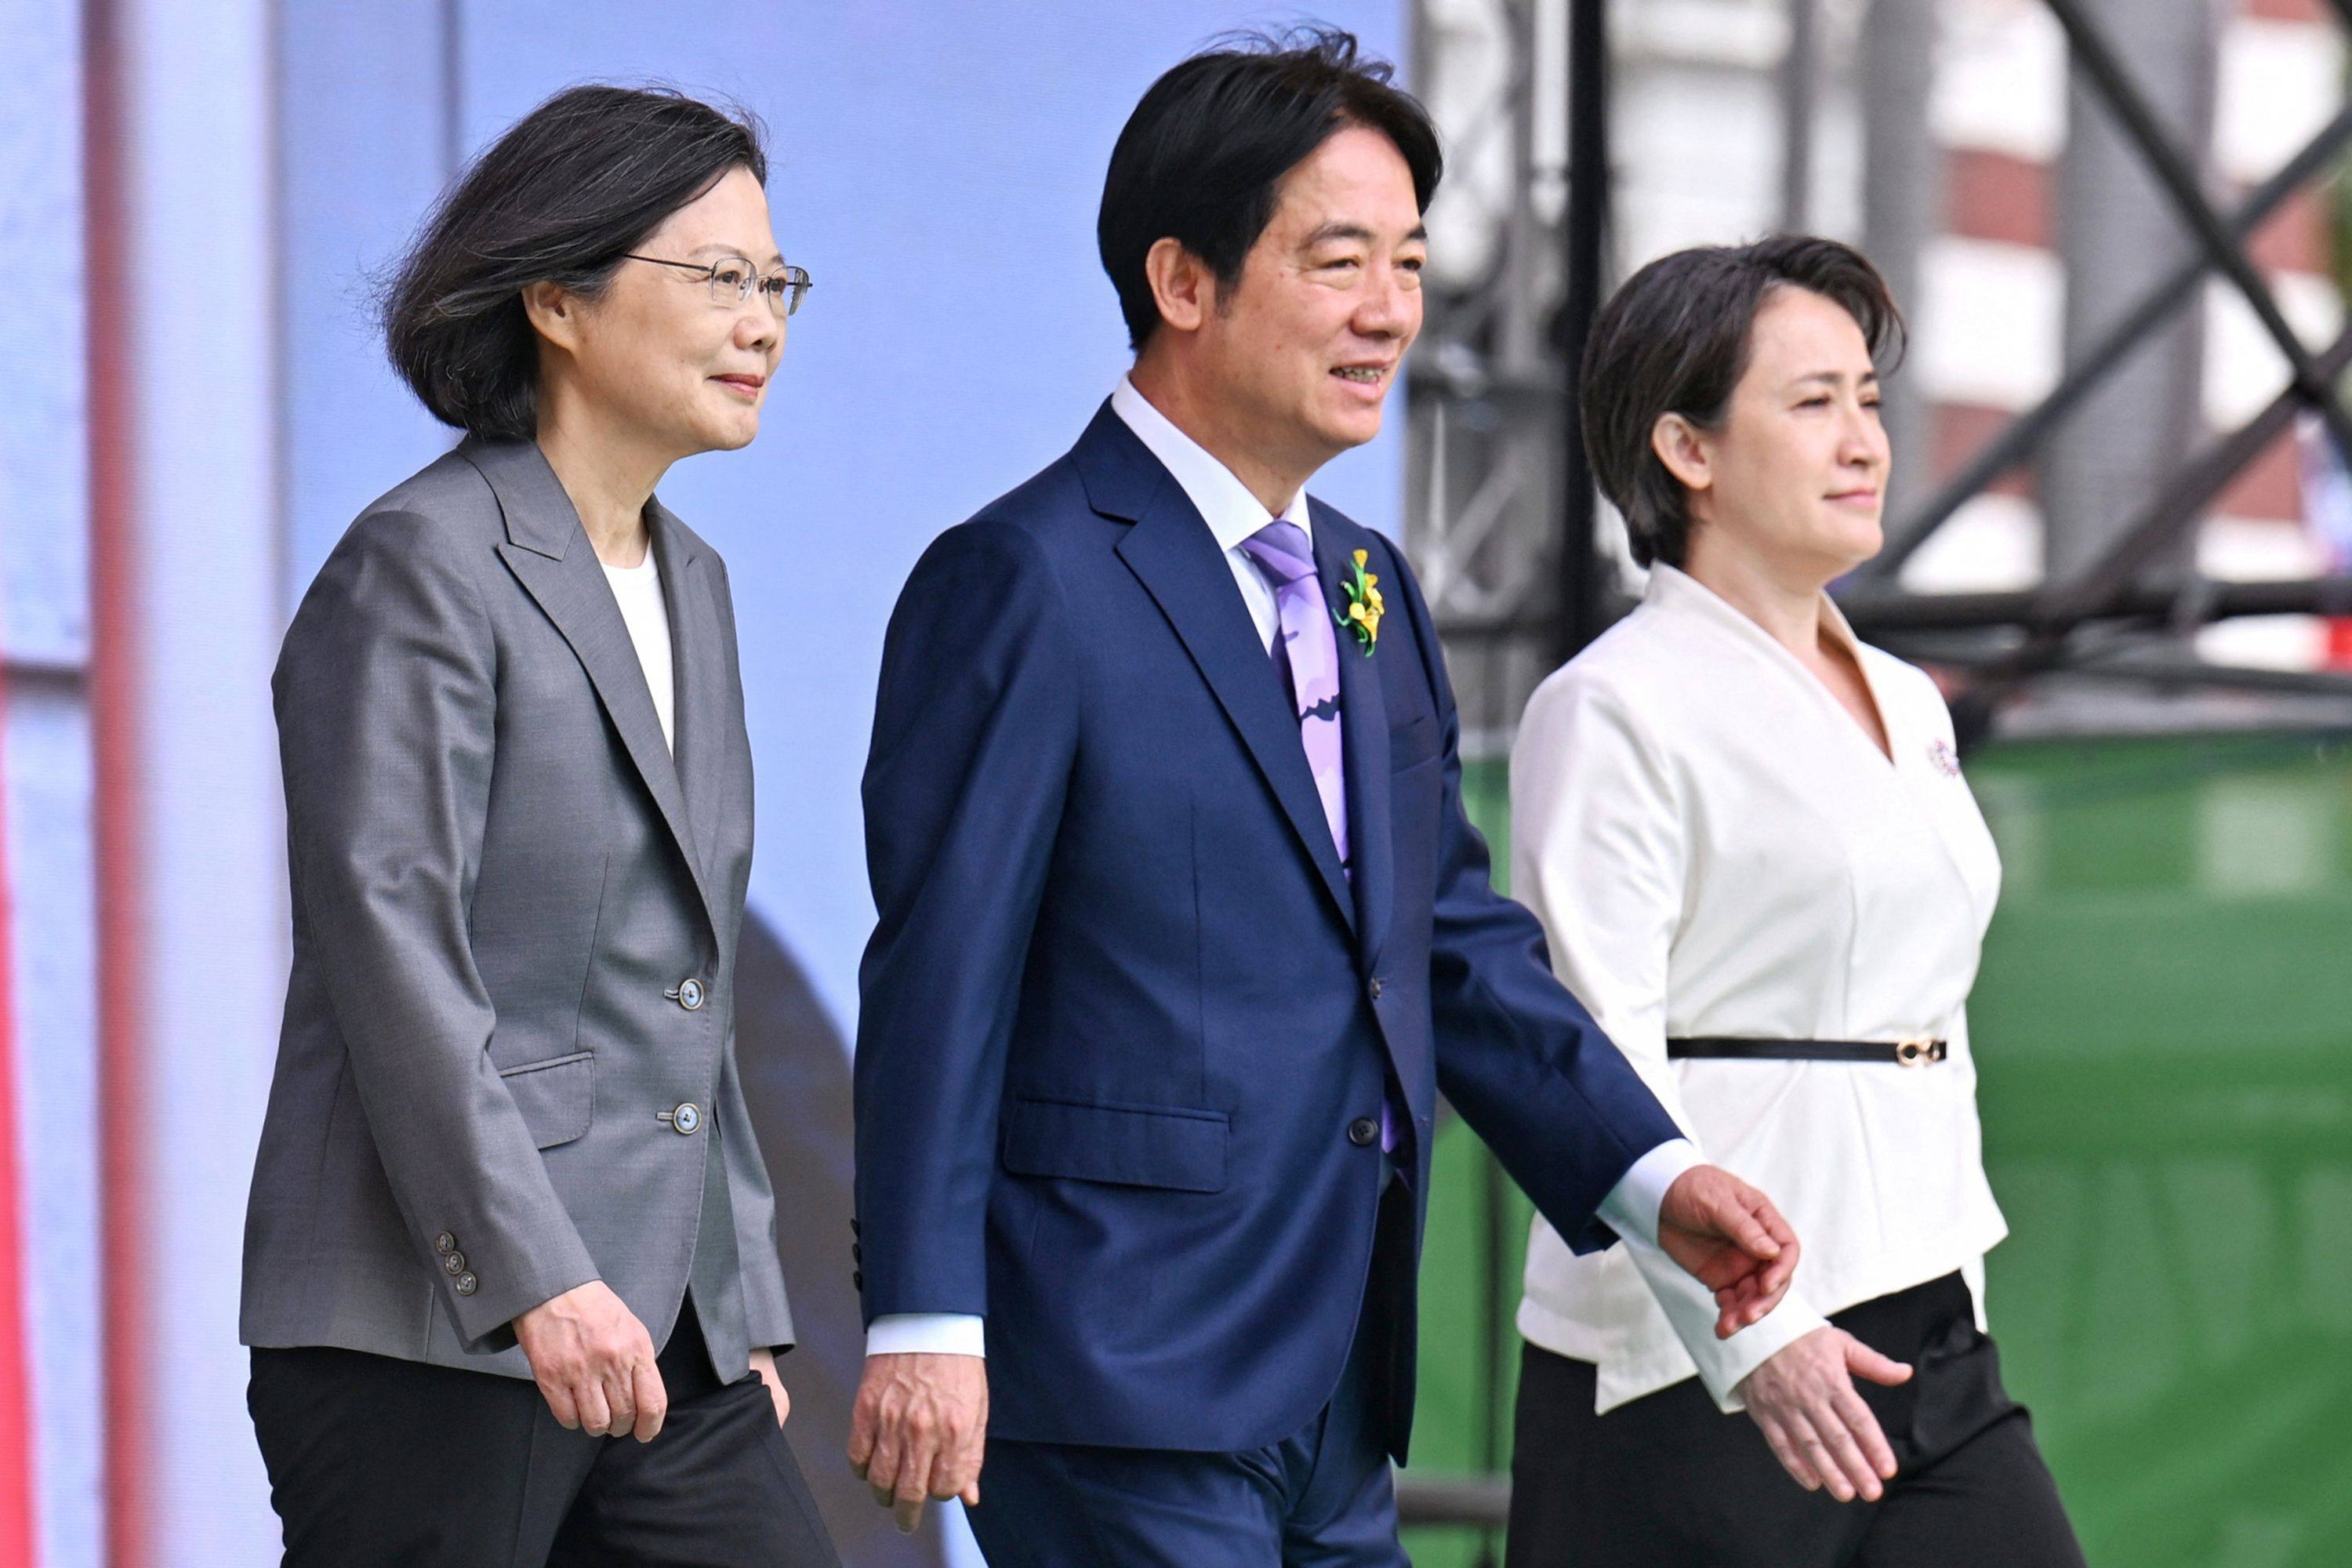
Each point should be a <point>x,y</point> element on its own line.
<point>1946,761</point>
<point>1364,608</point>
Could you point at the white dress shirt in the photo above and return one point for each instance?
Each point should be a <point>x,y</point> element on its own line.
<point>1716,847</point>
<point>1233,514</point>
<point>639,589</point>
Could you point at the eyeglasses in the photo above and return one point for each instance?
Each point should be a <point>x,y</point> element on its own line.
<point>732,278</point>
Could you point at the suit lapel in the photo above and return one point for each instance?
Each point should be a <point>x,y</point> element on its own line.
<point>698,653</point>
<point>1171,551</point>
<point>549,552</point>
<point>1364,717</point>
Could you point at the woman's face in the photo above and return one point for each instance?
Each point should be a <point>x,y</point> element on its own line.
<point>658,354</point>
<point>1795,473</point>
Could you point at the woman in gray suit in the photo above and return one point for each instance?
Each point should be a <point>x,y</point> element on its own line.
<point>506,1142</point>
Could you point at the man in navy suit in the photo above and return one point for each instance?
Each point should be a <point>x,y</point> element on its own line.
<point>1182,927</point>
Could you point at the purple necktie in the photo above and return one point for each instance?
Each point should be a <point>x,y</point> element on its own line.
<point>1308,638</point>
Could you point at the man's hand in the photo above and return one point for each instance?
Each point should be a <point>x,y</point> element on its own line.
<point>763,1362</point>
<point>918,1431</point>
<point>1730,1237</point>
<point>1824,1434</point>
<point>594,1363</point>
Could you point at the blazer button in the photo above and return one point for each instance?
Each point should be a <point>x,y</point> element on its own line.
<point>453,1264</point>
<point>1374,987</point>
<point>467,1285</point>
<point>686,1119</point>
<point>689,993</point>
<point>1363,1131</point>
<point>445,1242</point>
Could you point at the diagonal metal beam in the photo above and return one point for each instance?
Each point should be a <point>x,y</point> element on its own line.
<point>2058,610</point>
<point>2116,570</point>
<point>2022,436</point>
<point>2098,62</point>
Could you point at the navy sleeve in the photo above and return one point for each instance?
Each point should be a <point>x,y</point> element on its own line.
<point>1518,1055</point>
<point>975,728</point>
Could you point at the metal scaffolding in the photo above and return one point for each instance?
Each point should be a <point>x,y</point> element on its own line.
<point>1524,567</point>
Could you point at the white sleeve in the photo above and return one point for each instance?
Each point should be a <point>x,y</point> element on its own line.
<point>927,1334</point>
<point>1632,1207</point>
<point>1598,853</point>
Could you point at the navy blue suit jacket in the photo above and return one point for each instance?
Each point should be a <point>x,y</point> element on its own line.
<point>1123,1006</point>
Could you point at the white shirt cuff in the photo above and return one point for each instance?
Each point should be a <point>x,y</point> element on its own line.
<point>1633,1204</point>
<point>927,1334</point>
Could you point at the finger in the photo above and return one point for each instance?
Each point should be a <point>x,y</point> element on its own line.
<point>861,1435</point>
<point>975,1460</point>
<point>882,1462</point>
<point>914,1485</point>
<point>1859,1421</point>
<point>1739,1220</point>
<point>620,1386</point>
<point>1867,1362</point>
<point>595,1415</point>
<point>1809,1443</point>
<point>1845,1453</point>
<point>561,1405</point>
<point>652,1401</point>
<point>1776,1438</point>
<point>956,1469</point>
<point>916,1465</point>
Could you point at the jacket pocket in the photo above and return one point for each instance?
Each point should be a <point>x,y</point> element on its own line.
<point>1126,1145</point>
<point>557,1097</point>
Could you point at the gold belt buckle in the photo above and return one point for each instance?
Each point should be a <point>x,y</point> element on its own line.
<point>1915,1053</point>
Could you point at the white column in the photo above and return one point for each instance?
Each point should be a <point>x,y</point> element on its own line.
<point>199,85</point>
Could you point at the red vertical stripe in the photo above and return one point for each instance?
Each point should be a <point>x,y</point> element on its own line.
<point>114,721</point>
<point>17,1532</point>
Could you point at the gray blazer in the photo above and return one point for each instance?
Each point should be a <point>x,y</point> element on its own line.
<point>507,1066</point>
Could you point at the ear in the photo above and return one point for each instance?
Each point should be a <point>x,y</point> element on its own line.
<point>1681,445</point>
<point>554,313</point>
<point>1181,285</point>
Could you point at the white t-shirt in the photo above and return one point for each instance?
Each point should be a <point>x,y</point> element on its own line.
<point>638,588</point>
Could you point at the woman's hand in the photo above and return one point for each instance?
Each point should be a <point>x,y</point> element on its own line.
<point>763,1362</point>
<point>1824,1434</point>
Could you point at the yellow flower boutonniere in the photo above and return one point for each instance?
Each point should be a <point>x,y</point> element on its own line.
<point>1364,607</point>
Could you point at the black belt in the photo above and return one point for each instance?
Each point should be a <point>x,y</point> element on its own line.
<point>1715,1047</point>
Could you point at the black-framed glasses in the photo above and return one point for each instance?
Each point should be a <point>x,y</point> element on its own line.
<point>732,279</point>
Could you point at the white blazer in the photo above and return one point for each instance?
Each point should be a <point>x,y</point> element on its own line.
<point>1715,846</point>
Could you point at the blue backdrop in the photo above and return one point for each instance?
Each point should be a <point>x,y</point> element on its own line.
<point>935,166</point>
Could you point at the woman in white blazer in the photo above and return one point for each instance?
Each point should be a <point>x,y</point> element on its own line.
<point>1748,839</point>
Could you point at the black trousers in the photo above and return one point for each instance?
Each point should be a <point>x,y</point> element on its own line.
<point>1670,1481</point>
<point>374,1460</point>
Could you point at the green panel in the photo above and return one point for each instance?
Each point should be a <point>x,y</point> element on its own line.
<point>2163,1028</point>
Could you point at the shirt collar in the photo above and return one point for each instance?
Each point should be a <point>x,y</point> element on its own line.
<point>1223,502</point>
<point>1670,588</point>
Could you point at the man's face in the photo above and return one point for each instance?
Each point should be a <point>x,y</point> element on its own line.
<point>1307,343</point>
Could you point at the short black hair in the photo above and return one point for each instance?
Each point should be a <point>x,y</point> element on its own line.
<point>561,197</point>
<point>1675,340</point>
<point>1202,155</point>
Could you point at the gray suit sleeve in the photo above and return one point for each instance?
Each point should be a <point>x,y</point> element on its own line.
<point>386,703</point>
